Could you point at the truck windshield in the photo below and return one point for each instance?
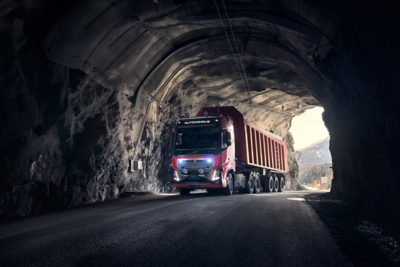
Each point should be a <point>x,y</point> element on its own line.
<point>206,139</point>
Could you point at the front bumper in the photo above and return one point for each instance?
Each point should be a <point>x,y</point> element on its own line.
<point>196,185</point>
<point>196,182</point>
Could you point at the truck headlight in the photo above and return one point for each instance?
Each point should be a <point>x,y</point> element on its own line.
<point>185,171</point>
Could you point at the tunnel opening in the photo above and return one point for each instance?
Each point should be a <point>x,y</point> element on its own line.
<point>311,143</point>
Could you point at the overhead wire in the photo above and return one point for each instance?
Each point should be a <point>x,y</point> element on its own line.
<point>238,52</point>
<point>240,65</point>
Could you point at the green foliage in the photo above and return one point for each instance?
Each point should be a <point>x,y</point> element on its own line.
<point>310,172</point>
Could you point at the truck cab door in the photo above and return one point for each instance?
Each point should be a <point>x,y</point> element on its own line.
<point>229,146</point>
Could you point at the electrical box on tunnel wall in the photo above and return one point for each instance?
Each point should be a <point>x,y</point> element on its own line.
<point>135,165</point>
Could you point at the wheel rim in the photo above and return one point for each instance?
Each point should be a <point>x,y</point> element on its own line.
<point>258,183</point>
<point>254,183</point>
<point>271,184</point>
<point>251,183</point>
<point>256,186</point>
<point>276,184</point>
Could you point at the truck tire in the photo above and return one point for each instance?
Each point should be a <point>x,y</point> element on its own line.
<point>257,183</point>
<point>249,188</point>
<point>276,184</point>
<point>229,187</point>
<point>184,191</point>
<point>270,184</point>
<point>281,184</point>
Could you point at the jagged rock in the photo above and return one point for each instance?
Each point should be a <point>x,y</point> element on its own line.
<point>84,94</point>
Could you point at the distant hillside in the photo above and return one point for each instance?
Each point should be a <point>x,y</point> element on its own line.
<point>311,172</point>
<point>315,162</point>
<point>317,153</point>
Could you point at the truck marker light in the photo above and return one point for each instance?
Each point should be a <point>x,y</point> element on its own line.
<point>217,175</point>
<point>176,178</point>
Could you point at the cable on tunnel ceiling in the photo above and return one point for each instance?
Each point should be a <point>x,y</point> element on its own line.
<point>240,66</point>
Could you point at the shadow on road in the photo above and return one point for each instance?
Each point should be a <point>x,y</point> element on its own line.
<point>342,220</point>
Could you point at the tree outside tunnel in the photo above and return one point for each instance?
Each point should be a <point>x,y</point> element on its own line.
<point>123,72</point>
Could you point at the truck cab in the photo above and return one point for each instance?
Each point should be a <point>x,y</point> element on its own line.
<point>204,154</point>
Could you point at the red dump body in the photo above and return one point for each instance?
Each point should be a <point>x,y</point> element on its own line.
<point>253,146</point>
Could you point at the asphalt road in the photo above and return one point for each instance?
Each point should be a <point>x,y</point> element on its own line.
<point>199,230</point>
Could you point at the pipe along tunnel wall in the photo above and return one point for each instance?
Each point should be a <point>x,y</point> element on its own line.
<point>90,85</point>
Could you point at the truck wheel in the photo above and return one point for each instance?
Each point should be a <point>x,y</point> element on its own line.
<point>184,191</point>
<point>229,187</point>
<point>281,184</point>
<point>276,184</point>
<point>270,184</point>
<point>257,183</point>
<point>249,184</point>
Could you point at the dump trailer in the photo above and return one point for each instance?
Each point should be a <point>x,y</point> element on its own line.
<point>220,151</point>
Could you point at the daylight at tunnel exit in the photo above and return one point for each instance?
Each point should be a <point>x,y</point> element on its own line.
<point>199,133</point>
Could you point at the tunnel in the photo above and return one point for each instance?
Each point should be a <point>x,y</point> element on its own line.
<point>91,88</point>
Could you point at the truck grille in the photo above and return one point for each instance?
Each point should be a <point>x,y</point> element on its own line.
<point>193,166</point>
<point>195,161</point>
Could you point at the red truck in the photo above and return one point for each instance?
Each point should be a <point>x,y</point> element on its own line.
<point>220,151</point>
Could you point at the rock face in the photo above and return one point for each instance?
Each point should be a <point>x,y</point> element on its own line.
<point>88,87</point>
<point>317,153</point>
<point>64,137</point>
<point>314,161</point>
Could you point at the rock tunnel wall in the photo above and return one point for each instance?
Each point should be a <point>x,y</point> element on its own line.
<point>360,112</point>
<point>74,111</point>
<point>64,137</point>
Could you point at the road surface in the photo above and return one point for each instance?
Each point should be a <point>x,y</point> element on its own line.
<point>168,230</point>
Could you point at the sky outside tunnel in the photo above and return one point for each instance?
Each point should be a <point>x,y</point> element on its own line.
<point>308,128</point>
<point>311,142</point>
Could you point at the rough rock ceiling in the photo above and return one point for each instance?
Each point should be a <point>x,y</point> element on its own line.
<point>150,50</point>
<point>153,61</point>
